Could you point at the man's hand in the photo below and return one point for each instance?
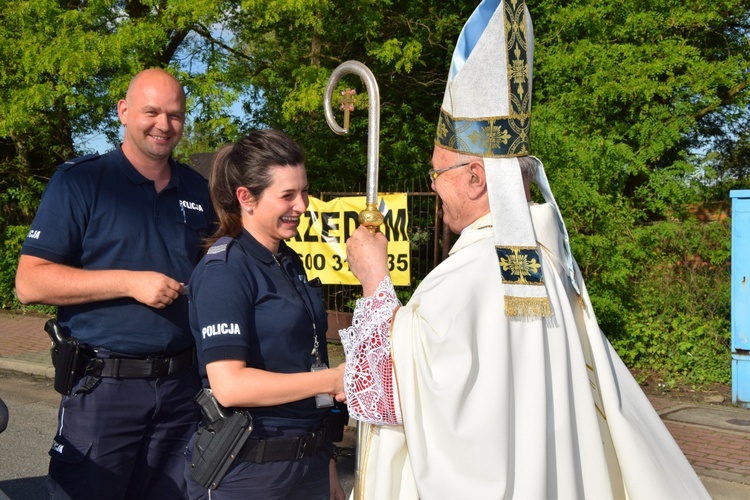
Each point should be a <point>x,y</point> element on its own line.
<point>40,281</point>
<point>367,255</point>
<point>154,289</point>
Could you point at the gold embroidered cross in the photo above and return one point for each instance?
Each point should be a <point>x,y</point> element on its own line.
<point>520,266</point>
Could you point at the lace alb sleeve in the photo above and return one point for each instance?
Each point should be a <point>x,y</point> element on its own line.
<point>368,378</point>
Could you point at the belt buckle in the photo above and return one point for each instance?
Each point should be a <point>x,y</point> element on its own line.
<point>304,443</point>
<point>160,366</point>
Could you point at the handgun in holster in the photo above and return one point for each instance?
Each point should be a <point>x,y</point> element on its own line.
<point>218,441</point>
<point>67,357</point>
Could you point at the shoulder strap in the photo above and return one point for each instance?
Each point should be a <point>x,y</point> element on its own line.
<point>77,161</point>
<point>219,250</point>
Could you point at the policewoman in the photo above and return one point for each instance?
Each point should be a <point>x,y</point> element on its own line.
<point>260,325</point>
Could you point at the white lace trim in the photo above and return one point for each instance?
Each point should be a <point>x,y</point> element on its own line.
<point>369,384</point>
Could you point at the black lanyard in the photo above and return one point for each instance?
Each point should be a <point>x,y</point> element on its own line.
<point>315,352</point>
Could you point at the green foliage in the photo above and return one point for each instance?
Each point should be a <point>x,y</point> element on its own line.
<point>683,349</point>
<point>678,322</point>
<point>12,238</point>
<point>10,249</point>
<point>289,52</point>
<point>19,201</point>
<point>639,114</point>
<point>625,94</point>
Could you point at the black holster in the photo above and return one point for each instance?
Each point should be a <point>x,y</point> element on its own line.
<point>68,357</point>
<point>218,442</point>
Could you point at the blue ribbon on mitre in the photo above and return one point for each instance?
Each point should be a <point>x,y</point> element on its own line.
<point>486,110</point>
<point>471,33</point>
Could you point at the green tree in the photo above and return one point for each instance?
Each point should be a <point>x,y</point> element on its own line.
<point>625,94</point>
<point>285,51</point>
<point>64,65</point>
<point>639,115</point>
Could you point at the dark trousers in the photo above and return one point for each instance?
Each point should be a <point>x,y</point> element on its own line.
<point>303,479</point>
<point>125,439</point>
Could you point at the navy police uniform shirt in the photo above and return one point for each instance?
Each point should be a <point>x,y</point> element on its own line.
<point>99,212</point>
<point>249,304</point>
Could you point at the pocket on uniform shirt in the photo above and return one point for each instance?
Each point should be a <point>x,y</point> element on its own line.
<point>316,290</point>
<point>195,219</point>
<point>198,228</point>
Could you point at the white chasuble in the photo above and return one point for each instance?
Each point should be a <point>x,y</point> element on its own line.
<point>499,407</point>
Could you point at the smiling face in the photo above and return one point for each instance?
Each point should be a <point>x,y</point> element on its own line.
<point>153,113</point>
<point>275,215</point>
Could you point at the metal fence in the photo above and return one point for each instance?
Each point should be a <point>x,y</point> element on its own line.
<point>425,230</point>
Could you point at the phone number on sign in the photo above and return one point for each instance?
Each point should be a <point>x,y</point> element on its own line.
<point>318,262</point>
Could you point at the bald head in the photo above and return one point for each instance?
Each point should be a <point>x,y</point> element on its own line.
<point>153,113</point>
<point>151,77</point>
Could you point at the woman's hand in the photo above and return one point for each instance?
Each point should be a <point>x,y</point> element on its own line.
<point>338,379</point>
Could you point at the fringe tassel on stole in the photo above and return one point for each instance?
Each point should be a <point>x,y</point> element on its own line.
<point>530,307</point>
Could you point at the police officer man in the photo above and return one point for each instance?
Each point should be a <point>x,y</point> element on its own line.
<point>114,240</point>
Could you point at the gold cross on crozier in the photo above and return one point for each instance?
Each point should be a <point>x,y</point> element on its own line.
<point>347,104</point>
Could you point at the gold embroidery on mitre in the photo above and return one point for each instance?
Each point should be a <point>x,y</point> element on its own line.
<point>442,128</point>
<point>498,136</point>
<point>490,137</point>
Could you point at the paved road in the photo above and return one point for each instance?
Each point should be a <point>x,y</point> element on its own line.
<point>32,405</point>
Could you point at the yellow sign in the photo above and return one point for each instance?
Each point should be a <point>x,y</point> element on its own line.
<point>325,227</point>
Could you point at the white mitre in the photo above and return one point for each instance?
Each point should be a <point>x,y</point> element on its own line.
<point>486,112</point>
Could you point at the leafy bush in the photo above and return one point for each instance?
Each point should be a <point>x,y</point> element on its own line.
<point>12,239</point>
<point>679,325</point>
<point>19,199</point>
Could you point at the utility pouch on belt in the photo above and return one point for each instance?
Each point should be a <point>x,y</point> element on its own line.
<point>338,417</point>
<point>219,441</point>
<point>66,357</point>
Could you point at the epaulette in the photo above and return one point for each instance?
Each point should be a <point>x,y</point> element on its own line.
<point>219,250</point>
<point>77,161</point>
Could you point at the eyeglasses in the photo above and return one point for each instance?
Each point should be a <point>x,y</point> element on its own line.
<point>433,174</point>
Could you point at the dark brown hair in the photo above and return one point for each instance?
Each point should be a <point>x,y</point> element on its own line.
<point>249,162</point>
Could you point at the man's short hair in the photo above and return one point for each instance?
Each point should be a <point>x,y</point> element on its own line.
<point>528,168</point>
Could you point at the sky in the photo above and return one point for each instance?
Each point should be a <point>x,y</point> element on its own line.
<point>94,142</point>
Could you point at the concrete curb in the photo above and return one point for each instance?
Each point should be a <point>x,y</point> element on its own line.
<point>27,367</point>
